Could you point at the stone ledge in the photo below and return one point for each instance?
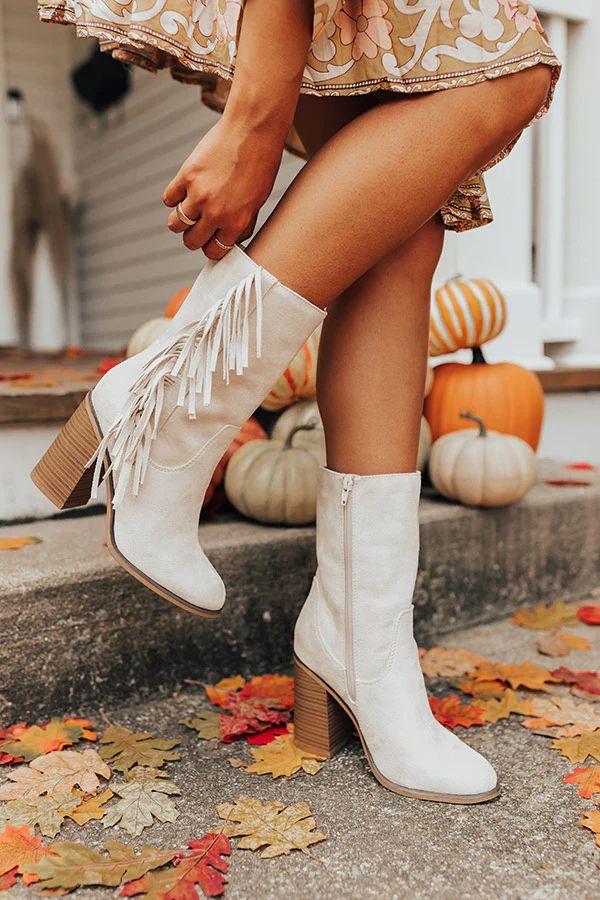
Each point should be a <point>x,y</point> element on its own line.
<point>78,629</point>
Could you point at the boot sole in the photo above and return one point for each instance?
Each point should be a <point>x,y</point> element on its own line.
<point>323,723</point>
<point>61,475</point>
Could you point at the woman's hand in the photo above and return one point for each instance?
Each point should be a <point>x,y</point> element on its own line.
<point>223,183</point>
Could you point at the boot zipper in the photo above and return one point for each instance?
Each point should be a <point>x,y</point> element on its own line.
<point>347,485</point>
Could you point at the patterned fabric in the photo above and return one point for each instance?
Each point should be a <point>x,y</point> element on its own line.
<point>358,46</point>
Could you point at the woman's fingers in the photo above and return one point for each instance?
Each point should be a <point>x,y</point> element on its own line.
<point>199,234</point>
<point>220,243</point>
<point>176,191</point>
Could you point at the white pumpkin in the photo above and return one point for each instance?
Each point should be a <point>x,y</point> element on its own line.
<point>275,481</point>
<point>480,467</point>
<point>146,334</point>
<point>424,444</point>
<point>303,413</point>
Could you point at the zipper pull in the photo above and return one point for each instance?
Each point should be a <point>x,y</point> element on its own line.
<point>347,485</point>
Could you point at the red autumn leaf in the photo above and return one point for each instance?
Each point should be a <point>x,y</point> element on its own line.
<point>451,711</point>
<point>268,736</point>
<point>204,867</point>
<point>17,376</point>
<point>9,879</point>
<point>247,717</point>
<point>105,365</point>
<point>586,681</point>
<point>567,482</point>
<point>133,888</point>
<point>7,735</point>
<point>583,466</point>
<point>589,614</point>
<point>588,779</point>
<point>279,688</point>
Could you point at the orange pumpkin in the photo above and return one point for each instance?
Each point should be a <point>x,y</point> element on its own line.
<point>466,312</point>
<point>175,302</point>
<point>508,397</point>
<point>215,493</point>
<point>299,381</point>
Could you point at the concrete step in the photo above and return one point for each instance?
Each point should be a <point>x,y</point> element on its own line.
<point>76,629</point>
<point>524,846</point>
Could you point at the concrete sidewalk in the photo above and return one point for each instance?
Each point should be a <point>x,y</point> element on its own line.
<point>526,844</point>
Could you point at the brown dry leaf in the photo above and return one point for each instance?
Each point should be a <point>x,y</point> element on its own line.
<point>544,618</point>
<point>18,848</point>
<point>565,711</point>
<point>206,722</point>
<point>576,641</point>
<point>591,819</point>
<point>443,663</point>
<point>71,865</point>
<point>47,812</point>
<point>272,825</point>
<point>588,779</point>
<point>143,799</point>
<point>236,763</point>
<point>218,694</point>
<point>55,773</point>
<point>125,749</point>
<point>501,708</point>
<point>91,808</point>
<point>282,758</point>
<point>17,543</point>
<point>577,749</point>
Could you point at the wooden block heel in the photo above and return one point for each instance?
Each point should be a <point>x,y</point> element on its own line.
<point>320,724</point>
<point>61,473</point>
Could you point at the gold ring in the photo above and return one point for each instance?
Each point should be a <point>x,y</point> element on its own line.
<point>183,218</point>
<point>221,245</point>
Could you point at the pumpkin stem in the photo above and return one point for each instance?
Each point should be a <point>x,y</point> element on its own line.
<point>473,418</point>
<point>478,357</point>
<point>306,426</point>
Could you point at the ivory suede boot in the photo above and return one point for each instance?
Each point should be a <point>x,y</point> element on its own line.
<point>357,662</point>
<point>156,425</point>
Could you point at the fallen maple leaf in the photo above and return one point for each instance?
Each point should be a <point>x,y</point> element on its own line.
<point>19,848</point>
<point>440,662</point>
<point>246,716</point>
<point>47,812</point>
<point>17,543</point>
<point>587,681</point>
<point>567,482</point>
<point>267,736</point>
<point>480,689</point>
<point>7,735</point>
<point>451,711</point>
<point>591,819</point>
<point>272,825</point>
<point>125,749</point>
<point>91,808</point>
<point>556,643</point>
<point>564,711</point>
<point>218,694</point>
<point>495,709</point>
<point>203,866</point>
<point>282,758</point>
<point>9,879</point>
<point>72,865</point>
<point>206,722</point>
<point>588,779</point>
<point>279,688</point>
<point>38,740</point>
<point>54,773</point>
<point>589,614</point>
<point>544,618</point>
<point>525,675</point>
<point>583,466</point>
<point>142,801</point>
<point>577,749</point>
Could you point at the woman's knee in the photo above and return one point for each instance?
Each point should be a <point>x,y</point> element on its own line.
<point>518,99</point>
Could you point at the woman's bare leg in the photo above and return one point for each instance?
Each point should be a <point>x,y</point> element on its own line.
<point>373,348</point>
<point>383,176</point>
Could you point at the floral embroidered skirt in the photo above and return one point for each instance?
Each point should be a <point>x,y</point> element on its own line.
<point>358,46</point>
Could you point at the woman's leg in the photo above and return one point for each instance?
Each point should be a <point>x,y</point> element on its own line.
<point>373,349</point>
<point>383,176</point>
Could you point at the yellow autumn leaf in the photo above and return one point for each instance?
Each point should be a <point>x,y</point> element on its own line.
<point>282,758</point>
<point>443,663</point>
<point>544,618</point>
<point>591,819</point>
<point>91,808</point>
<point>501,708</point>
<point>277,828</point>
<point>577,749</point>
<point>16,543</point>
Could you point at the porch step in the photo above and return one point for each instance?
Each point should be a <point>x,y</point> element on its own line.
<point>76,629</point>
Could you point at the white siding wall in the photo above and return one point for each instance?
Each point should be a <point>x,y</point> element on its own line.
<point>129,263</point>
